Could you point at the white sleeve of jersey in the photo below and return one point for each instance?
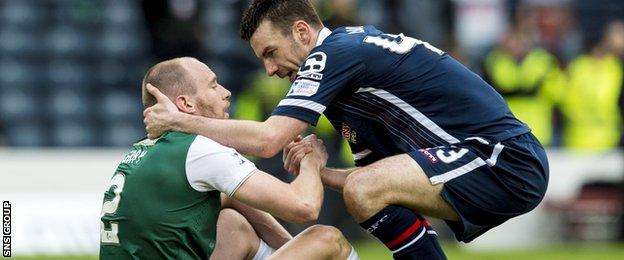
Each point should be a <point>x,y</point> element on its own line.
<point>212,166</point>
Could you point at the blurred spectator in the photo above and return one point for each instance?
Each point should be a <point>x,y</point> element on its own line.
<point>528,77</point>
<point>615,38</point>
<point>174,27</point>
<point>554,24</point>
<point>592,105</point>
<point>338,13</point>
<point>478,25</point>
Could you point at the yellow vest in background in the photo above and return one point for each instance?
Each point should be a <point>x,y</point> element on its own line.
<point>590,106</point>
<point>531,87</point>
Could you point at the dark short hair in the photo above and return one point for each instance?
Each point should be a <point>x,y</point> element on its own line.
<point>171,77</point>
<point>282,13</point>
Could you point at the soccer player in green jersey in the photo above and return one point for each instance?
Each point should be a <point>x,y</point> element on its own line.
<point>185,196</point>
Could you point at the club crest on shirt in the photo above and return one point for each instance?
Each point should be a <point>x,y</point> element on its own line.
<point>349,134</point>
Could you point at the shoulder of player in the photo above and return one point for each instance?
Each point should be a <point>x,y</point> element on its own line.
<point>206,145</point>
<point>346,40</point>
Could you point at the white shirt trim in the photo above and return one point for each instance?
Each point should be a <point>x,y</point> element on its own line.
<point>323,34</point>
<point>316,107</point>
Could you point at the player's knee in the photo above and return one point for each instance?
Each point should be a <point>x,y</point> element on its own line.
<point>230,219</point>
<point>330,238</point>
<point>359,190</point>
<point>326,234</point>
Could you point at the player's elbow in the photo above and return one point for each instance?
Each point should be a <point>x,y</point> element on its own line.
<point>269,145</point>
<point>306,212</point>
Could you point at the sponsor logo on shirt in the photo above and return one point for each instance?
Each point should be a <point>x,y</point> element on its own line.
<point>429,155</point>
<point>304,87</point>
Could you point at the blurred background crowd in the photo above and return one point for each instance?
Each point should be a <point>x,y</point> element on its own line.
<point>70,70</point>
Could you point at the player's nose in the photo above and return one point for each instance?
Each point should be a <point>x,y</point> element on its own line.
<point>270,67</point>
<point>226,93</point>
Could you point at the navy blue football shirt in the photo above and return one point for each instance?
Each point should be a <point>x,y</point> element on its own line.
<point>390,94</point>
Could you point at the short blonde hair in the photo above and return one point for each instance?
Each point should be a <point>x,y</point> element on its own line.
<point>171,77</point>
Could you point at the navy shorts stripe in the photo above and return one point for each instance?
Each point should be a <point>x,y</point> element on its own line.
<point>487,183</point>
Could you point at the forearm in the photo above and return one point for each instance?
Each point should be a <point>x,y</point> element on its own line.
<point>335,178</point>
<point>265,225</point>
<point>247,137</point>
<point>308,184</point>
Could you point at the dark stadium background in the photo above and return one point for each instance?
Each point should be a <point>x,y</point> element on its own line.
<point>70,73</point>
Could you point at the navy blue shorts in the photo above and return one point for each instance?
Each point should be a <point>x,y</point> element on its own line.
<point>487,183</point>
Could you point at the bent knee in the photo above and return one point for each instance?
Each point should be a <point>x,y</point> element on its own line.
<point>230,214</point>
<point>231,219</point>
<point>327,235</point>
<point>360,188</point>
<point>330,239</point>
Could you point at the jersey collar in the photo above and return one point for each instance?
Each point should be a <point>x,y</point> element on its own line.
<point>322,35</point>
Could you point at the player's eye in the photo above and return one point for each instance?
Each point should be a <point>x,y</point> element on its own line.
<point>271,53</point>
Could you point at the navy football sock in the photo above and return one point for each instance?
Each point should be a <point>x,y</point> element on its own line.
<point>406,234</point>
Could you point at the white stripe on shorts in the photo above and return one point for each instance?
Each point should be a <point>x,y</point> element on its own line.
<point>476,163</point>
<point>447,176</point>
<point>362,154</point>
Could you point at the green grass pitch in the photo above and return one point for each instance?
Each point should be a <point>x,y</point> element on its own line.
<point>374,251</point>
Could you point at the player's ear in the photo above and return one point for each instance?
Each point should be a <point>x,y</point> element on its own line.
<point>185,104</point>
<point>302,31</point>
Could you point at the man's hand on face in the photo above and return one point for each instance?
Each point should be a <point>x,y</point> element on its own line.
<point>160,117</point>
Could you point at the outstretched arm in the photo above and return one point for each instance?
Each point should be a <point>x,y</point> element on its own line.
<point>299,201</point>
<point>335,178</point>
<point>263,139</point>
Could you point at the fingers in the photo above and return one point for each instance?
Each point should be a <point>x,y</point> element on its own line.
<point>286,150</point>
<point>160,97</point>
<point>295,152</point>
<point>296,159</point>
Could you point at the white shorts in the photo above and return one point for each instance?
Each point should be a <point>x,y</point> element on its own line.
<point>265,251</point>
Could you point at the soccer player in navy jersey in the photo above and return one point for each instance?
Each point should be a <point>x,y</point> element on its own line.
<point>428,136</point>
